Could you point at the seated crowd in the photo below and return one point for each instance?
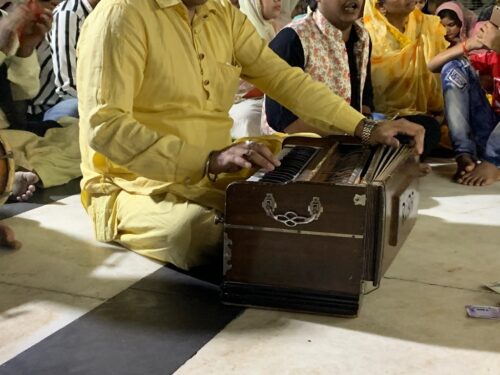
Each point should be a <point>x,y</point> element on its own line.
<point>152,112</point>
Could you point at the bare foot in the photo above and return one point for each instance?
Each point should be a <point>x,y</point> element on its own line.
<point>465,164</point>
<point>424,169</point>
<point>7,238</point>
<point>485,173</point>
<point>24,186</point>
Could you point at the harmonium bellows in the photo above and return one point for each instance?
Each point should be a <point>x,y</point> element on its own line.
<point>309,235</point>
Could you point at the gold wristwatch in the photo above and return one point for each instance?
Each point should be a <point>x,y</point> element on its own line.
<point>367,129</point>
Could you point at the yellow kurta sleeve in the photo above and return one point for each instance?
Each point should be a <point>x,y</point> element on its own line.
<point>109,76</point>
<point>310,100</point>
<point>3,56</point>
<point>154,91</point>
<point>23,74</point>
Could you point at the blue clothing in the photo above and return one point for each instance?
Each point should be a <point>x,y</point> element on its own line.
<point>474,125</point>
<point>68,107</point>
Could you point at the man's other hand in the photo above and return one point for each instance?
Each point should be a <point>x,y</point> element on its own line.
<point>386,131</point>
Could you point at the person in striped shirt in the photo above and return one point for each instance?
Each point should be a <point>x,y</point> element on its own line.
<point>47,96</point>
<point>58,95</point>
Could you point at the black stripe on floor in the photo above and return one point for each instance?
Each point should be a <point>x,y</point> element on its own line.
<point>153,327</point>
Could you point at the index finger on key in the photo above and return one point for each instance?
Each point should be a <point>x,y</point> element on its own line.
<point>266,153</point>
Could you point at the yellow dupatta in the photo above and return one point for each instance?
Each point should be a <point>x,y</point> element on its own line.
<point>400,78</point>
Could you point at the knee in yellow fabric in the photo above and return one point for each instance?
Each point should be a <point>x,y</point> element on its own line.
<point>168,229</point>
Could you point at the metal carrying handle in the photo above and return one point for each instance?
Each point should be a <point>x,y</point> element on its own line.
<point>290,218</point>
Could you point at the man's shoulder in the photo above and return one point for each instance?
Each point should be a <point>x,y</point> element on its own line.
<point>220,6</point>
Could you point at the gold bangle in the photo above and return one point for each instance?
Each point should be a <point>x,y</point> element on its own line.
<point>211,176</point>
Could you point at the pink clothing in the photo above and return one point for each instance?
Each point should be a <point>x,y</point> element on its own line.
<point>466,16</point>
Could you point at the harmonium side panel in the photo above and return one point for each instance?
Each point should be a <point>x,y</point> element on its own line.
<point>400,196</point>
<point>323,255</point>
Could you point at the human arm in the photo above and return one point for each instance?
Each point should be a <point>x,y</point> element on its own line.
<point>108,80</point>
<point>23,29</point>
<point>35,30</point>
<point>310,100</point>
<point>23,75</point>
<point>437,62</point>
<point>24,68</point>
<point>9,26</point>
<point>20,32</point>
<point>120,134</point>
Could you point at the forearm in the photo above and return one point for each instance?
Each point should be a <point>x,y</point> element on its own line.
<point>157,157</point>
<point>310,100</point>
<point>23,75</point>
<point>437,62</point>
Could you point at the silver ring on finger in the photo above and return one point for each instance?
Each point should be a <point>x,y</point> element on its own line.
<point>249,148</point>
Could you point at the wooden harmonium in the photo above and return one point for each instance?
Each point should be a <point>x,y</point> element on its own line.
<point>309,234</point>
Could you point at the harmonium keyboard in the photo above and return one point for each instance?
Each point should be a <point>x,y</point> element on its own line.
<point>311,234</point>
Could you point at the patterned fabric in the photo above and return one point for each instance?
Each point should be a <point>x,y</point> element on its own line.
<point>57,55</point>
<point>325,53</point>
<point>68,20</point>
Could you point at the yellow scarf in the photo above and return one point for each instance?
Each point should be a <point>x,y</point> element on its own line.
<point>400,78</point>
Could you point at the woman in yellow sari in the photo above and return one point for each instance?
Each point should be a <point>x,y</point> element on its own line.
<point>404,39</point>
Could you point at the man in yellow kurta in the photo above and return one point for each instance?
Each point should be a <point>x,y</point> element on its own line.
<point>156,79</point>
